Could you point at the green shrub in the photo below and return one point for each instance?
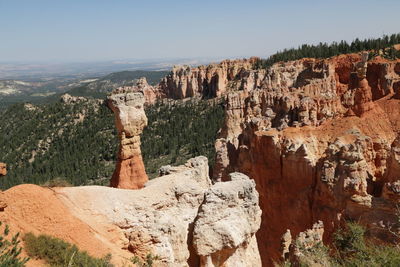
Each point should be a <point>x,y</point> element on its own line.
<point>57,252</point>
<point>56,182</point>
<point>352,249</point>
<point>148,262</point>
<point>325,50</point>
<point>10,250</point>
<point>350,239</point>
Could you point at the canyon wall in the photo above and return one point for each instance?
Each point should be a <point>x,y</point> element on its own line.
<point>213,80</point>
<point>130,120</point>
<point>319,137</point>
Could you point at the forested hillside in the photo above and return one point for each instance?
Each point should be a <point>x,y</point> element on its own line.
<point>323,50</point>
<point>179,130</point>
<point>77,142</point>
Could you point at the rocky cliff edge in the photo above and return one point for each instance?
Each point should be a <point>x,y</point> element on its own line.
<point>181,218</point>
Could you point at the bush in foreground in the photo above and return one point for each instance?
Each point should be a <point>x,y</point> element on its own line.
<point>57,252</point>
<point>350,248</point>
<point>10,250</point>
<point>353,249</point>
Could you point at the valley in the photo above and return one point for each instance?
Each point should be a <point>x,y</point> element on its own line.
<point>49,89</point>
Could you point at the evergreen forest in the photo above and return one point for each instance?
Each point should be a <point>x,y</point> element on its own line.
<point>382,45</point>
<point>77,143</point>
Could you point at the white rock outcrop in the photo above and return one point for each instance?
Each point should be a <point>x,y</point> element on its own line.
<point>227,222</point>
<point>177,216</point>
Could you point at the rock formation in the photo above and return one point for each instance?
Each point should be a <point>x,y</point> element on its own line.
<point>68,99</point>
<point>300,251</point>
<point>130,121</point>
<point>213,80</point>
<point>226,223</point>
<point>363,93</point>
<point>318,137</point>
<point>151,94</point>
<point>3,169</point>
<point>181,218</point>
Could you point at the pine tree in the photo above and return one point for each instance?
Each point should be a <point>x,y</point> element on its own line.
<point>10,250</point>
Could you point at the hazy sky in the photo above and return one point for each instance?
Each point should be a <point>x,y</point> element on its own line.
<point>91,30</point>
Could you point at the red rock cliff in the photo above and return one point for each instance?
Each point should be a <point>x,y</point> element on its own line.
<point>130,121</point>
<point>319,139</point>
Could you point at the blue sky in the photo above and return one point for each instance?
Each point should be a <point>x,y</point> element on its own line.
<point>95,30</point>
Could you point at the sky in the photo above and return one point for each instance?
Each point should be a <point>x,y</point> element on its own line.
<point>96,30</point>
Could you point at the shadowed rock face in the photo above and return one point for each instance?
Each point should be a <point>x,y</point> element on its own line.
<point>3,169</point>
<point>130,121</point>
<point>318,137</point>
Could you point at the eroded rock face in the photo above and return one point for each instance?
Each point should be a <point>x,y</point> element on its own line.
<point>180,217</point>
<point>130,121</point>
<point>300,251</point>
<point>213,80</point>
<point>317,136</point>
<point>3,169</point>
<point>151,93</point>
<point>228,219</point>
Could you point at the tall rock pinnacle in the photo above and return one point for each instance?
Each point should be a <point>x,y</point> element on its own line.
<point>130,121</point>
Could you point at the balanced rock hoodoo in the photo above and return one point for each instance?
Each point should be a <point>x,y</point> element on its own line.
<point>130,120</point>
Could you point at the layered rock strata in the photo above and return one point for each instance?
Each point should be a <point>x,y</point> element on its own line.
<point>217,80</point>
<point>213,80</point>
<point>318,137</point>
<point>130,120</point>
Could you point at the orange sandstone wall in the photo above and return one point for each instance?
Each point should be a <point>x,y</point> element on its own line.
<point>319,139</point>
